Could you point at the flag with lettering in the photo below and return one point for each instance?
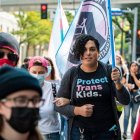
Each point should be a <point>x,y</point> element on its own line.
<point>92,18</point>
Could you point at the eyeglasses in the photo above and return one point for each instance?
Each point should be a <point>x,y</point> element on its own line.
<point>11,56</point>
<point>24,101</point>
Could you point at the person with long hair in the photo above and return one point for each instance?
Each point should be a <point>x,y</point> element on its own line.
<point>52,78</point>
<point>132,82</point>
<point>121,64</point>
<point>49,123</point>
<point>51,70</point>
<point>20,99</point>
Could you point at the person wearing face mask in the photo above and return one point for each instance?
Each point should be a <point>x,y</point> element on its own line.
<point>49,123</point>
<point>20,99</point>
<point>52,78</point>
<point>9,49</point>
<point>51,71</point>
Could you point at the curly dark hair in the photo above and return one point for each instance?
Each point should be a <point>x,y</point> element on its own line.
<point>79,46</point>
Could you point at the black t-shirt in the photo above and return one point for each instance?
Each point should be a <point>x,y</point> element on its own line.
<point>131,80</point>
<point>94,88</point>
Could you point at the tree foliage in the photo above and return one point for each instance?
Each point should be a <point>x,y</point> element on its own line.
<point>69,16</point>
<point>125,30</point>
<point>31,29</point>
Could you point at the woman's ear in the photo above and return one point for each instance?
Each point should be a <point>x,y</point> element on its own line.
<point>4,111</point>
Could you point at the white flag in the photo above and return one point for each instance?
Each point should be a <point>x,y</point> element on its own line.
<point>91,18</point>
<point>60,27</point>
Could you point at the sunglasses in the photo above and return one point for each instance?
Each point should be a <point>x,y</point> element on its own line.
<point>11,56</point>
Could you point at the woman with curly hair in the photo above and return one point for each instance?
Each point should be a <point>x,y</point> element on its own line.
<point>91,88</point>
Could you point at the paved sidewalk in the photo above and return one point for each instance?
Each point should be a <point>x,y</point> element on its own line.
<point>128,131</point>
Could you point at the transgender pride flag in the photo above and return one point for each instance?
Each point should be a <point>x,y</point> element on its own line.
<point>92,18</point>
<point>60,27</point>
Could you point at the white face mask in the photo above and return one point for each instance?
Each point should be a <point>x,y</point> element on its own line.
<point>40,77</point>
<point>49,68</point>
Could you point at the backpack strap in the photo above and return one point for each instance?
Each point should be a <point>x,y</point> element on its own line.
<point>54,89</point>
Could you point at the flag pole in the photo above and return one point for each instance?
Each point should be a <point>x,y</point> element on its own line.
<point>61,24</point>
<point>111,35</point>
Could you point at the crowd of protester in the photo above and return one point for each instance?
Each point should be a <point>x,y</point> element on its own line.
<point>85,105</point>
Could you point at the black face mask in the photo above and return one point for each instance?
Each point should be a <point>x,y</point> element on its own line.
<point>24,119</point>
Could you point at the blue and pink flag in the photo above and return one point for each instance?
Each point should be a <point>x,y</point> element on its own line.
<point>60,27</point>
<point>92,18</point>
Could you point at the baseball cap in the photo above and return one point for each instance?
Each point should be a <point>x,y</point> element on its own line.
<point>38,59</point>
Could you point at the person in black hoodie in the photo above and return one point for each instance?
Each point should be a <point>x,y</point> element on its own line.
<point>9,49</point>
